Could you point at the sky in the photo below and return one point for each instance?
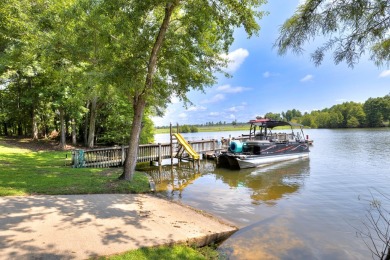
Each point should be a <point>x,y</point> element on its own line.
<point>262,81</point>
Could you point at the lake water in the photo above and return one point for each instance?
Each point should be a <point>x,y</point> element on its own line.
<point>304,209</point>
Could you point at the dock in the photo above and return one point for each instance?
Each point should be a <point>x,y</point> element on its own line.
<point>152,153</point>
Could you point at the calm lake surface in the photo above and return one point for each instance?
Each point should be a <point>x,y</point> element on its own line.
<point>302,209</point>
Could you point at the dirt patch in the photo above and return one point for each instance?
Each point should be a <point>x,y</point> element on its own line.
<point>33,145</point>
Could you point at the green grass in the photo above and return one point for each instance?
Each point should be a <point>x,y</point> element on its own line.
<point>167,252</point>
<point>23,172</point>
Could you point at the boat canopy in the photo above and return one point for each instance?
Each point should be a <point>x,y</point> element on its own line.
<point>269,123</point>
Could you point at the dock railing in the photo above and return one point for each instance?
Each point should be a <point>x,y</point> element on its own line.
<point>115,156</point>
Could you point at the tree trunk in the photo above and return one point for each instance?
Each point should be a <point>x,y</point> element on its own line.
<point>132,153</point>
<point>74,139</point>
<point>34,125</point>
<point>62,129</point>
<point>140,99</point>
<point>20,129</point>
<point>388,254</point>
<point>33,115</point>
<point>92,123</point>
<point>5,129</point>
<point>85,134</point>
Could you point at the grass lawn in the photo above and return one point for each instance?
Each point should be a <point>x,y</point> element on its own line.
<point>167,252</point>
<point>24,172</point>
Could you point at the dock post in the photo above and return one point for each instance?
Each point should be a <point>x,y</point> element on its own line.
<point>75,158</point>
<point>171,147</point>
<point>123,155</point>
<point>159,154</point>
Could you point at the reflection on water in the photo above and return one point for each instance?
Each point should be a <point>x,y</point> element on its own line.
<point>263,185</point>
<point>304,209</point>
<point>268,183</point>
<point>173,180</point>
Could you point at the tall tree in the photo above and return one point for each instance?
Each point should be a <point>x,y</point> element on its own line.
<point>175,46</point>
<point>273,116</point>
<point>20,59</point>
<point>353,27</point>
<point>374,108</point>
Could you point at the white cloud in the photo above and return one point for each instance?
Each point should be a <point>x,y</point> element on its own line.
<point>214,114</point>
<point>385,73</point>
<point>268,74</point>
<point>307,78</point>
<point>182,115</point>
<point>215,99</point>
<point>235,109</point>
<point>196,108</point>
<point>235,59</point>
<point>230,89</point>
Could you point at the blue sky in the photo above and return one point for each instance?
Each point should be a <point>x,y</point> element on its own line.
<point>265,82</point>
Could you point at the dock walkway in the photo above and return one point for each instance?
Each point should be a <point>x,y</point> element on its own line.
<point>85,226</point>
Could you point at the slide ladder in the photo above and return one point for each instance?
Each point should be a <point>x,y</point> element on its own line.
<point>189,149</point>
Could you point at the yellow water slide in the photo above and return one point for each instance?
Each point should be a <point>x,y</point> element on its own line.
<point>191,152</point>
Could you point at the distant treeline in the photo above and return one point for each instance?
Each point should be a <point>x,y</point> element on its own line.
<point>375,112</point>
<point>188,129</point>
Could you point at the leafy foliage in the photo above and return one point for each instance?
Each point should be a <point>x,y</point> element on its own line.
<point>188,129</point>
<point>274,116</point>
<point>77,58</point>
<point>353,28</point>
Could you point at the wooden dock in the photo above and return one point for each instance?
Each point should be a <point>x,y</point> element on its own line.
<point>115,156</point>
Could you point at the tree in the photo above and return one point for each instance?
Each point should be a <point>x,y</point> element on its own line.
<point>373,108</point>
<point>352,122</point>
<point>175,46</point>
<point>376,231</point>
<point>386,107</point>
<point>184,129</point>
<point>194,129</point>
<point>353,27</point>
<point>273,116</point>
<point>290,114</point>
<point>20,60</point>
<point>350,110</point>
<point>323,119</point>
<point>308,120</point>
